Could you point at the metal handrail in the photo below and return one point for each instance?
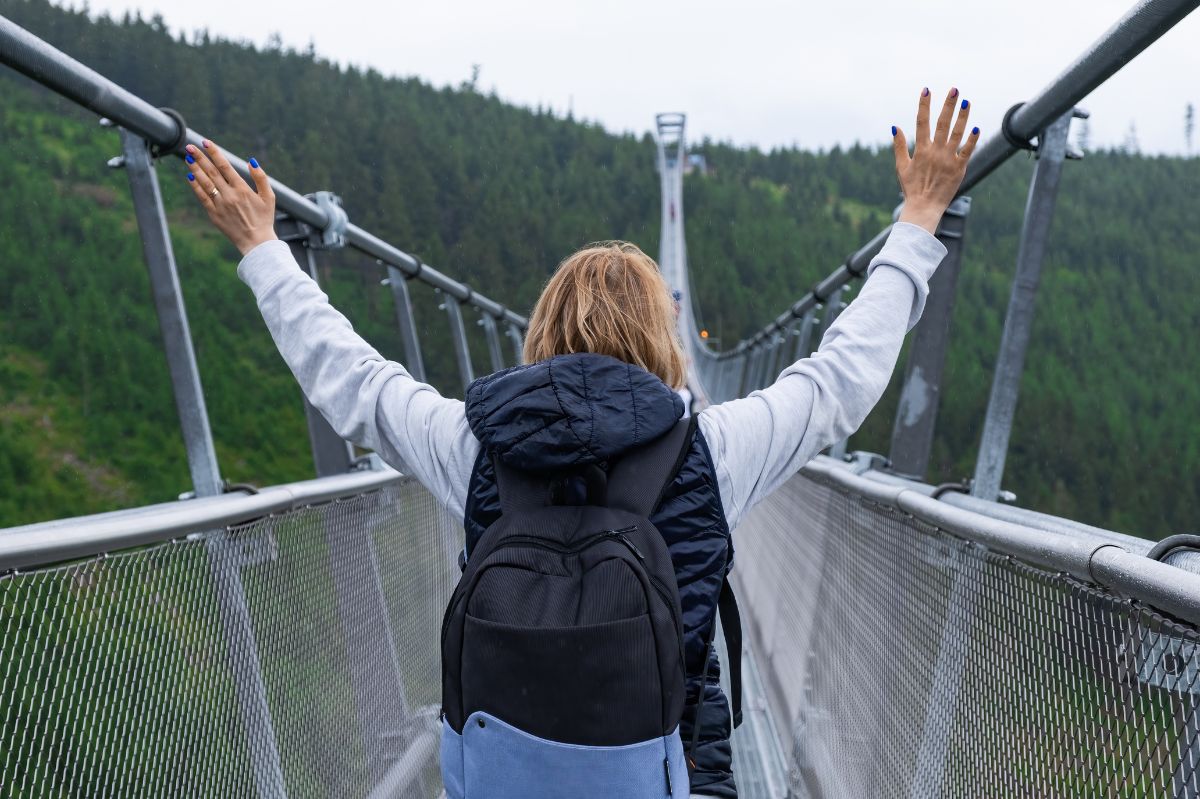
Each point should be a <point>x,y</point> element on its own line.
<point>56,70</point>
<point>60,540</point>
<point>1145,23</point>
<point>1090,559</point>
<point>1008,513</point>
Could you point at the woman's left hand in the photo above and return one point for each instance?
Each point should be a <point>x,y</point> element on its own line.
<point>246,216</point>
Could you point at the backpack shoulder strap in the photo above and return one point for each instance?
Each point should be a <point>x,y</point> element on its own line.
<point>638,480</point>
<point>731,626</point>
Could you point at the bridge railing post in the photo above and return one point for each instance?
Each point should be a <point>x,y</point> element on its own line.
<point>1018,322</point>
<point>752,355</point>
<point>756,355</point>
<point>769,349</point>
<point>762,355</point>
<point>779,353</point>
<point>833,309</point>
<point>916,415</point>
<point>737,375</point>
<point>493,341</point>
<point>172,315</point>
<point>714,377</point>
<point>518,342</point>
<point>331,454</point>
<point>458,335</point>
<point>744,378</point>
<point>804,335</point>
<point>772,345</point>
<point>257,725</point>
<point>725,370</point>
<point>406,322</point>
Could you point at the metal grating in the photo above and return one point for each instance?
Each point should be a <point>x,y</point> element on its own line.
<point>902,661</point>
<point>295,656</point>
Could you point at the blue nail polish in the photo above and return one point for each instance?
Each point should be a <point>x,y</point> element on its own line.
<point>189,158</point>
<point>254,163</point>
<point>974,131</point>
<point>964,105</point>
<point>893,130</point>
<point>191,177</point>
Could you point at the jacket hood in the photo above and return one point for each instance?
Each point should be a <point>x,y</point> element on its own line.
<point>571,410</point>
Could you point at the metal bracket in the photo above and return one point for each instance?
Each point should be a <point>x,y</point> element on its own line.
<point>862,461</point>
<point>333,237</point>
<point>1007,132</point>
<point>1075,153</point>
<point>1170,663</point>
<point>1035,144</point>
<point>181,131</point>
<point>959,209</point>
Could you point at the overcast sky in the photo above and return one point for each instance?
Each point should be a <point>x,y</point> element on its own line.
<point>752,72</point>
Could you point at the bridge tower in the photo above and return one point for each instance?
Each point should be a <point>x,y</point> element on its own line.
<point>672,252</point>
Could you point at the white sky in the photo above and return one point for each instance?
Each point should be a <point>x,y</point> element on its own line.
<point>753,72</point>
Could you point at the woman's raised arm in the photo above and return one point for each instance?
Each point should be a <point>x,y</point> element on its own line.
<point>760,441</point>
<point>367,399</point>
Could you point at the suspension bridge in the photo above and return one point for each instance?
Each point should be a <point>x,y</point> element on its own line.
<point>902,639</point>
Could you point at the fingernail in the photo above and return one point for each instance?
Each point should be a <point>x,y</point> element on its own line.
<point>974,131</point>
<point>925,92</point>
<point>254,163</point>
<point>954,92</point>
<point>964,105</point>
<point>191,148</point>
<point>191,176</point>
<point>205,143</point>
<point>189,158</point>
<point>893,130</point>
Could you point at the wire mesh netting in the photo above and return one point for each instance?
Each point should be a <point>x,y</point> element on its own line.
<point>296,654</point>
<point>903,661</point>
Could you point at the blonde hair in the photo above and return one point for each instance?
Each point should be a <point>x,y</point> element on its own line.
<point>609,298</point>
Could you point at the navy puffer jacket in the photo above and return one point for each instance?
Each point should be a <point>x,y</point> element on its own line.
<point>581,409</point>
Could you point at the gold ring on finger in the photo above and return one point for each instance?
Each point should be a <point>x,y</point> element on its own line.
<point>214,193</point>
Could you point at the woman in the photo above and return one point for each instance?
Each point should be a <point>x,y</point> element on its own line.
<point>602,360</point>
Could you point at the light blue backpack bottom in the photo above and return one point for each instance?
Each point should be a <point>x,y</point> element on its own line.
<point>498,761</point>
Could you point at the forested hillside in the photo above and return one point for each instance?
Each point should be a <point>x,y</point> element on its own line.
<point>496,195</point>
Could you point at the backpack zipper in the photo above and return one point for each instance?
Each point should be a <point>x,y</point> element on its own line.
<point>621,536</point>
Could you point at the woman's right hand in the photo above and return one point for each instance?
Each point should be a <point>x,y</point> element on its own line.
<point>245,215</point>
<point>930,177</point>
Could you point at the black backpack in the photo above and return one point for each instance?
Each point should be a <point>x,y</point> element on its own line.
<point>565,634</point>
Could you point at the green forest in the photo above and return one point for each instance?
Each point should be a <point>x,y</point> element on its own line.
<point>496,195</point>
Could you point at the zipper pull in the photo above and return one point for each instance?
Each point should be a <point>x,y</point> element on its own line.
<point>624,539</point>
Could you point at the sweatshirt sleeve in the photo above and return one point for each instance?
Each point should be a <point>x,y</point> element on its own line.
<point>760,441</point>
<point>368,399</point>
